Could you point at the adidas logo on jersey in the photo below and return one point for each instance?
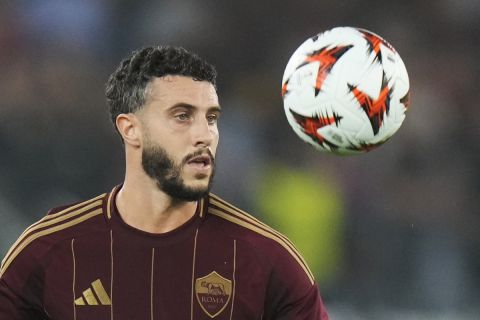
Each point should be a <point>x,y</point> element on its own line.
<point>97,296</point>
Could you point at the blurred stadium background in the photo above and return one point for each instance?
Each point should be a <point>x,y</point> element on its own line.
<point>393,234</point>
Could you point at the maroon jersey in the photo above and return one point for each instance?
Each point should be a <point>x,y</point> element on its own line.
<point>83,262</point>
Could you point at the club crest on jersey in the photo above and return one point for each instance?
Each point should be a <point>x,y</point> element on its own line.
<point>213,293</point>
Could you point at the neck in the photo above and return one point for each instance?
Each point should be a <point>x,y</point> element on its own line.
<point>142,205</point>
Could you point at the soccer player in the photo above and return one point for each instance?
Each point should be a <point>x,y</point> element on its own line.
<point>160,245</point>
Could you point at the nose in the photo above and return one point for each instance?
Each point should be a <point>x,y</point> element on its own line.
<point>203,134</point>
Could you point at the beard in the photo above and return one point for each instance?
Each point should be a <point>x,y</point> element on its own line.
<point>159,166</point>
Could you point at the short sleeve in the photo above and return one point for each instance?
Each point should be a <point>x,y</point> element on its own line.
<point>12,306</point>
<point>292,293</point>
<point>20,287</point>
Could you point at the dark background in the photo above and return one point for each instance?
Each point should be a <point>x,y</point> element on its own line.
<point>393,234</point>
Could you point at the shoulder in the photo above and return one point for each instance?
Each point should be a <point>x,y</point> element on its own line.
<point>57,225</point>
<point>270,243</point>
<point>291,291</point>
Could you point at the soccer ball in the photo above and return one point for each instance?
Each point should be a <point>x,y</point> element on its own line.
<point>345,91</point>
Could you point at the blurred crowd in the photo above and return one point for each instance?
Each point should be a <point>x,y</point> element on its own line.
<point>394,229</point>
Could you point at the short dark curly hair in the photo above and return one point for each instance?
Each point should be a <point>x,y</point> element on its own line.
<point>126,89</point>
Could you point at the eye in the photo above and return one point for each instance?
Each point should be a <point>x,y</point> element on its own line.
<point>182,116</point>
<point>212,118</point>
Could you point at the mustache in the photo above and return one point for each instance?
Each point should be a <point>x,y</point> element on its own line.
<point>197,153</point>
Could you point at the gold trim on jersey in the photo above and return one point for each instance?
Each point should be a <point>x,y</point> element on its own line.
<point>234,281</point>
<point>54,215</point>
<point>109,203</point>
<point>151,283</point>
<point>101,293</point>
<point>111,274</point>
<point>43,222</point>
<point>78,302</point>
<point>246,216</point>
<point>201,203</point>
<point>73,280</point>
<point>193,272</point>
<point>89,298</point>
<point>110,200</point>
<point>237,216</point>
<point>27,240</point>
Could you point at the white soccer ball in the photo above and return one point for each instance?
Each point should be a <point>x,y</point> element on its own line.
<point>345,91</point>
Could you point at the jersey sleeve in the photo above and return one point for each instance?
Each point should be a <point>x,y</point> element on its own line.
<point>292,293</point>
<point>308,307</point>
<point>20,288</point>
<point>13,306</point>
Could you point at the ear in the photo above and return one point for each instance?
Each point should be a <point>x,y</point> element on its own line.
<point>129,127</point>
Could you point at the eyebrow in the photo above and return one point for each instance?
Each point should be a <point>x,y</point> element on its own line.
<point>192,107</point>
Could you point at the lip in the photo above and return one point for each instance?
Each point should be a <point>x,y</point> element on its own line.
<point>200,163</point>
<point>205,159</point>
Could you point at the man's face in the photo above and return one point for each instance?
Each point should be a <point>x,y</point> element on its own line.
<point>180,135</point>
